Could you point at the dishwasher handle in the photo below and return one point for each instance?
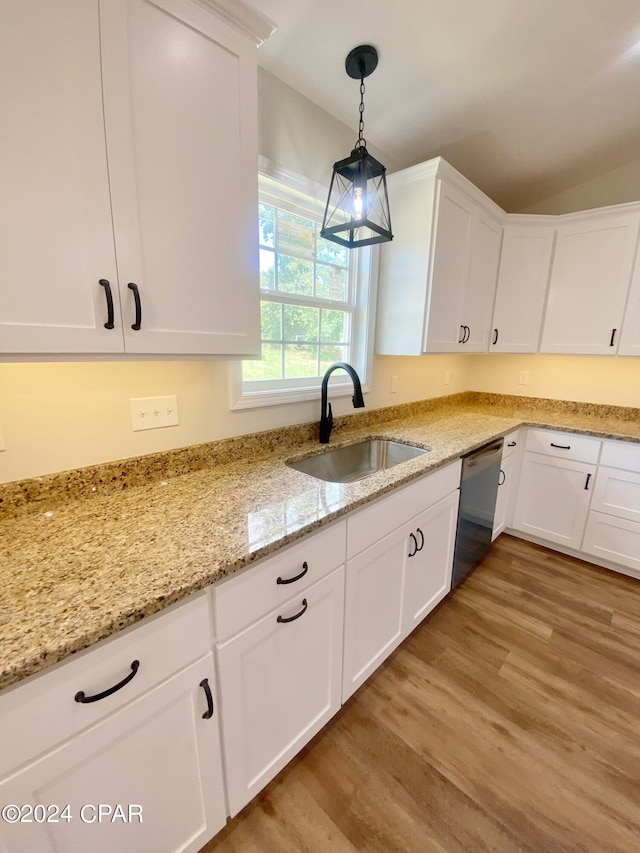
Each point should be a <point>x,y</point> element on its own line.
<point>481,458</point>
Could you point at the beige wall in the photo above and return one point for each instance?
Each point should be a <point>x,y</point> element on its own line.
<point>615,187</point>
<point>586,379</point>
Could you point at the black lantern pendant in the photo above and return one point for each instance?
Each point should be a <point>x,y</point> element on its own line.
<point>357,211</point>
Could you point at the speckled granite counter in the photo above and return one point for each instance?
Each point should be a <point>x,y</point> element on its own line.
<point>86,553</point>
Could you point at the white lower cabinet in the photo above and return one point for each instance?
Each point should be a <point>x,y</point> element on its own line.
<point>555,485</point>
<point>395,582</point>
<point>613,527</point>
<point>146,778</point>
<point>507,484</point>
<point>280,683</point>
<point>553,499</point>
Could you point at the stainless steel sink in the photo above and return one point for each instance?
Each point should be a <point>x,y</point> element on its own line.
<point>356,461</point>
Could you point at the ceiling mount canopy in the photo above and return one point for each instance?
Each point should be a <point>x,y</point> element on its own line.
<point>357,210</point>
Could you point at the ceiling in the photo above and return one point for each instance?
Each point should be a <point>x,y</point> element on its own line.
<point>525,97</point>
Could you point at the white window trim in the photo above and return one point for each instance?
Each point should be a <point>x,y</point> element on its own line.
<point>364,315</point>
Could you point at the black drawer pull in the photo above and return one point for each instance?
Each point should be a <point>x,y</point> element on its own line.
<point>468,335</point>
<point>297,616</point>
<point>495,337</point>
<point>415,545</point>
<point>463,329</point>
<point>503,477</point>
<point>511,443</point>
<point>561,446</point>
<point>421,546</point>
<point>613,337</point>
<point>136,297</point>
<point>305,569</point>
<point>207,692</point>
<point>586,485</point>
<point>107,292</point>
<point>81,697</point>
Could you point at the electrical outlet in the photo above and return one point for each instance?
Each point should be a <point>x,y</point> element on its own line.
<point>447,377</point>
<point>153,412</point>
<point>394,385</point>
<point>524,377</point>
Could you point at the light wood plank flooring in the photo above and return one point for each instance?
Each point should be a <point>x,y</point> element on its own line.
<point>508,721</point>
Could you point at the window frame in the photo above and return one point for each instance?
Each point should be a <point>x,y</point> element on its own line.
<point>293,192</point>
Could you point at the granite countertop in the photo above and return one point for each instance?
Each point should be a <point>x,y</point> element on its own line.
<point>87,553</point>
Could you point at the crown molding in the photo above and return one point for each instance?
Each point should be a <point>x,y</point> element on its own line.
<point>243,17</point>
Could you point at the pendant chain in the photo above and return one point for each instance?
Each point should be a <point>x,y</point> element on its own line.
<point>361,143</point>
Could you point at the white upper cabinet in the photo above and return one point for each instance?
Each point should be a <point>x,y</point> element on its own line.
<point>590,278</point>
<point>56,239</point>
<point>525,261</point>
<point>437,277</point>
<point>630,336</point>
<point>481,285</point>
<point>167,202</point>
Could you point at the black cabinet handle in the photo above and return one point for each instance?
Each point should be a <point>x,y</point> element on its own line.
<point>613,337</point>
<point>107,292</point>
<point>415,545</point>
<point>512,443</point>
<point>207,692</point>
<point>503,476</point>
<point>305,569</point>
<point>468,335</point>
<point>561,446</point>
<point>136,296</point>
<point>421,546</point>
<point>297,616</point>
<point>495,337</point>
<point>82,697</point>
<point>463,329</point>
<point>586,485</point>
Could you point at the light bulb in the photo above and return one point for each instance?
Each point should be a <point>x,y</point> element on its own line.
<point>357,202</point>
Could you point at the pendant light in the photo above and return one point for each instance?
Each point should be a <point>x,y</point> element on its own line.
<point>357,211</point>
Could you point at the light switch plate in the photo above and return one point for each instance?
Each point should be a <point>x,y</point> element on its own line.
<point>153,412</point>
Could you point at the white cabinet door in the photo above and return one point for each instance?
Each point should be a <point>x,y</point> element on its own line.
<point>590,279</point>
<point>157,759</point>
<point>525,261</point>
<point>56,238</point>
<point>374,607</point>
<point>613,539</point>
<point>553,498</point>
<point>450,269</point>
<point>481,285</point>
<point>430,561</point>
<point>180,115</point>
<point>630,336</point>
<point>505,494</point>
<point>280,683</point>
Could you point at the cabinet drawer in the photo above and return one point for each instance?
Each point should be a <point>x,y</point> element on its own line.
<point>43,708</point>
<point>621,454</point>
<point>564,445</point>
<point>614,539</point>
<point>388,512</point>
<point>617,493</point>
<point>250,594</point>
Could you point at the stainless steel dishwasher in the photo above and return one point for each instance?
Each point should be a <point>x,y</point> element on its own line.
<point>478,493</point>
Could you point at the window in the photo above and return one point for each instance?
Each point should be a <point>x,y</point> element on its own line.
<point>315,301</point>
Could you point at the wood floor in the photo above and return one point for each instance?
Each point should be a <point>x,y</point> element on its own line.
<point>508,721</point>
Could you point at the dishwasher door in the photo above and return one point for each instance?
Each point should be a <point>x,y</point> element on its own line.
<point>478,493</point>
